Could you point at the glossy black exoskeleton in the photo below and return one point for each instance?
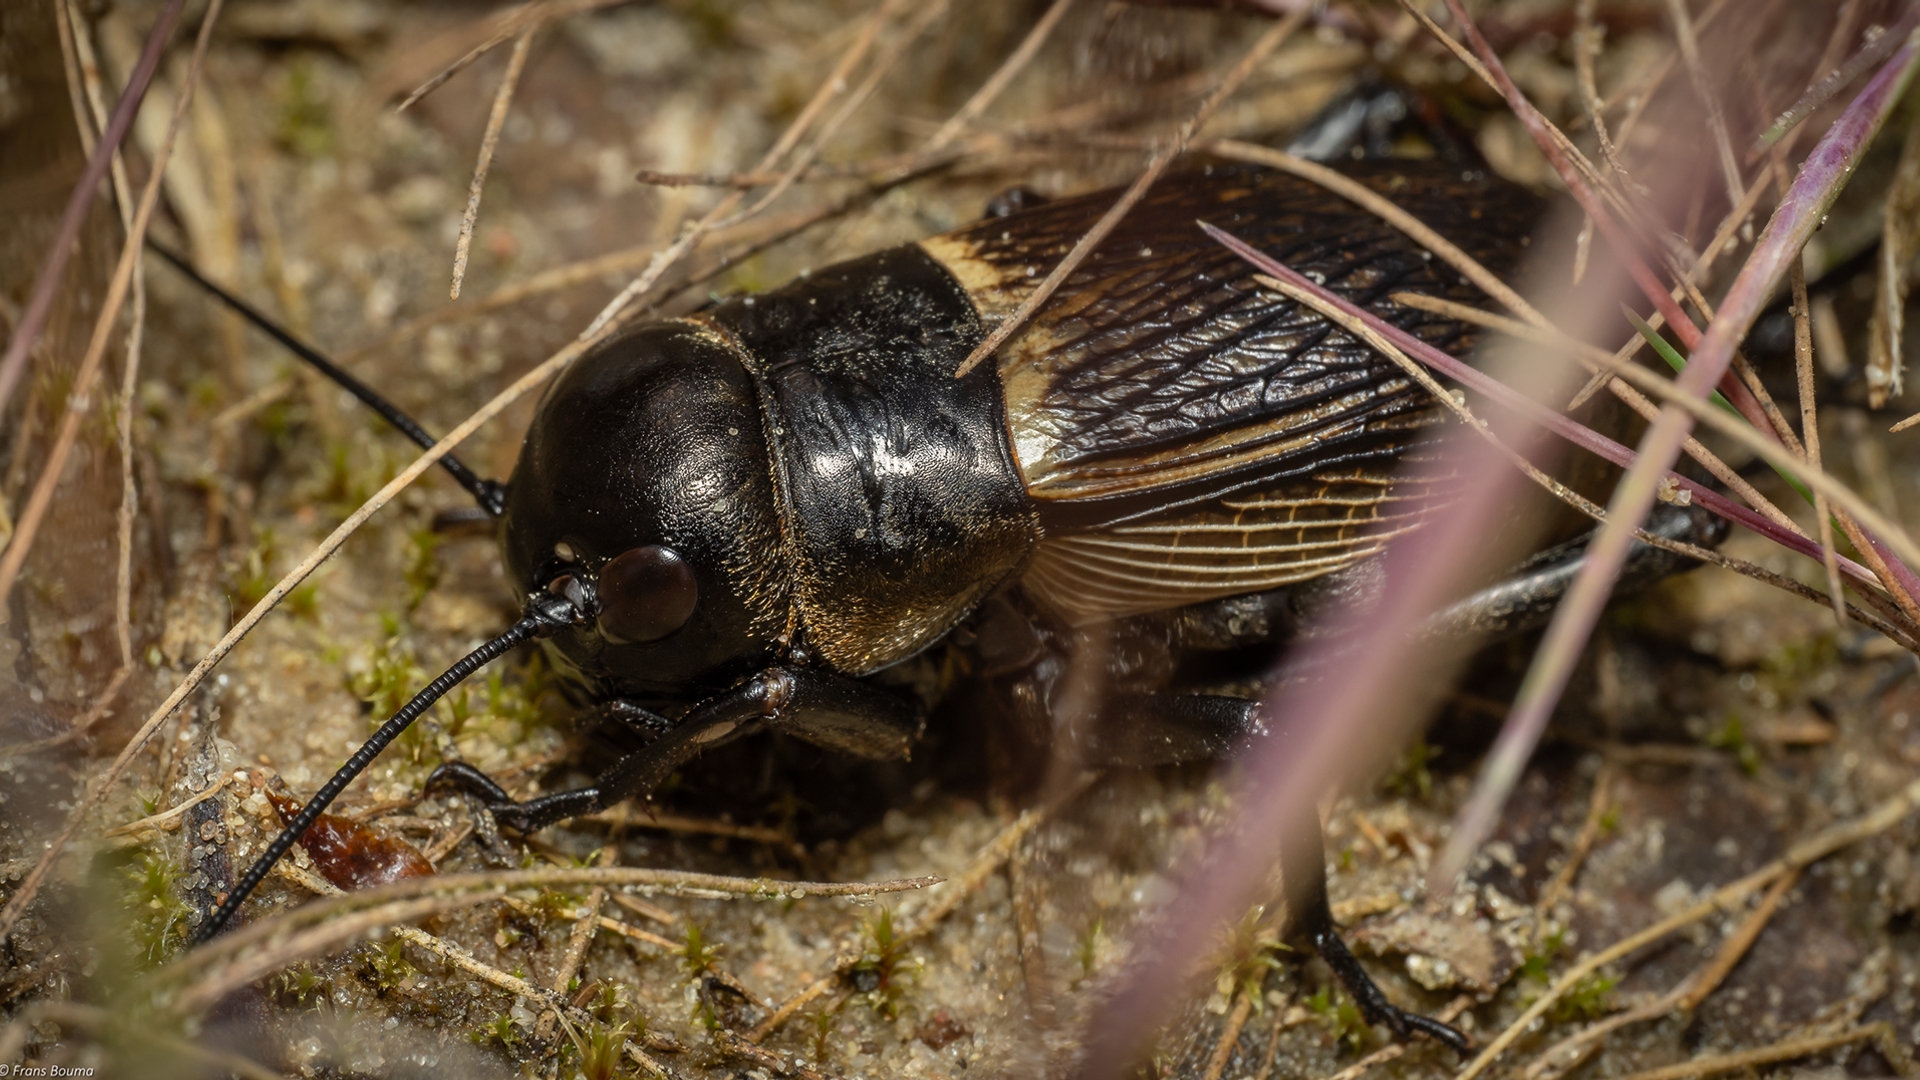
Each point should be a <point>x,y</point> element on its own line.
<point>737,521</point>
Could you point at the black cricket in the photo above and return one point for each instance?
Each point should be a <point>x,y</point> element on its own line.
<point>744,519</point>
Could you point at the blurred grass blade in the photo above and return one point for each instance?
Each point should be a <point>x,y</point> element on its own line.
<point>1801,211</point>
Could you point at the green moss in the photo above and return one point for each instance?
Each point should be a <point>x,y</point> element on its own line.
<point>1409,778</point>
<point>423,566</point>
<point>1253,951</point>
<point>554,905</point>
<point>711,21</point>
<point>1731,736</point>
<point>500,1031</point>
<point>301,984</point>
<point>157,927</point>
<point>303,601</point>
<point>1341,1016</point>
<point>1087,950</point>
<point>303,124</point>
<point>820,1041</point>
<point>1589,999</point>
<point>388,966</point>
<point>698,954</point>
<point>392,675</point>
<point>255,575</point>
<point>600,1051</point>
<point>885,971</point>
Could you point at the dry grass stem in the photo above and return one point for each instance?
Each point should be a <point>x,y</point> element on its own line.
<point>22,896</point>
<point>166,819</point>
<point>1027,932</point>
<point>1722,238</point>
<point>1772,451</point>
<point>1562,145</point>
<point>1488,283</point>
<point>990,91</point>
<point>489,142</point>
<point>240,957</point>
<point>1156,166</point>
<point>751,241</point>
<point>90,103</point>
<point>585,924</point>
<point>834,85</point>
<point>1282,1020</point>
<point>629,930</point>
<point>736,1045</point>
<point>1899,239</point>
<point>1608,366</point>
<point>1598,803</point>
<point>861,94</point>
<point>1724,961</point>
<point>1798,856</point>
<point>461,959</point>
<point>1359,324</point>
<point>1749,1059</point>
<point>76,93</point>
<point>1229,1037</point>
<point>1419,374</point>
<point>509,24</point>
<point>982,866</point>
<point>1685,996</point>
<point>1810,427</point>
<point>33,317</point>
<point>645,910</point>
<point>1876,48</point>
<point>1586,42</point>
<point>80,398</point>
<point>213,978</point>
<point>1683,33</point>
<point>1386,210</point>
<point>1394,1052</point>
<point>1638,93</point>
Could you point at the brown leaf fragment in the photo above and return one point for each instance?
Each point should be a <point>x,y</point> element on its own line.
<point>350,854</point>
<point>1899,243</point>
<point>1443,950</point>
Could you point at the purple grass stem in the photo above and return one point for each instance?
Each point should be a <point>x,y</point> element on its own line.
<point>66,236</point>
<point>1799,214</point>
<point>1559,423</point>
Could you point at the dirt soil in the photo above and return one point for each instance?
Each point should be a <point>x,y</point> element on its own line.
<point>1714,722</point>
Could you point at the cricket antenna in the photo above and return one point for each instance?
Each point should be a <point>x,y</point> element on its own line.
<point>490,494</point>
<point>546,614</point>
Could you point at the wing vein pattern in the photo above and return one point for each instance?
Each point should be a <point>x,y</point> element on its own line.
<point>1187,434</point>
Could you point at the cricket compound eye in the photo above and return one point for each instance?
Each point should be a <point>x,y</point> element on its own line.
<point>645,594</point>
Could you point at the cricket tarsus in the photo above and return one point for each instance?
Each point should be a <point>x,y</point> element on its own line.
<point>490,494</point>
<point>545,615</point>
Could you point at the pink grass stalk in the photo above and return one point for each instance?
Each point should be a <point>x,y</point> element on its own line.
<point>1559,423</point>
<point>1801,210</point>
<point>1336,727</point>
<point>66,236</point>
<point>1314,727</point>
<point>1624,246</point>
<point>1323,728</point>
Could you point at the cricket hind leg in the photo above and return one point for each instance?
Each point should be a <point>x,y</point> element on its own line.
<point>1303,860</point>
<point>1170,728</point>
<point>1525,599</point>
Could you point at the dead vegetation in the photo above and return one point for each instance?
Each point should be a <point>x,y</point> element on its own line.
<point>219,572</point>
